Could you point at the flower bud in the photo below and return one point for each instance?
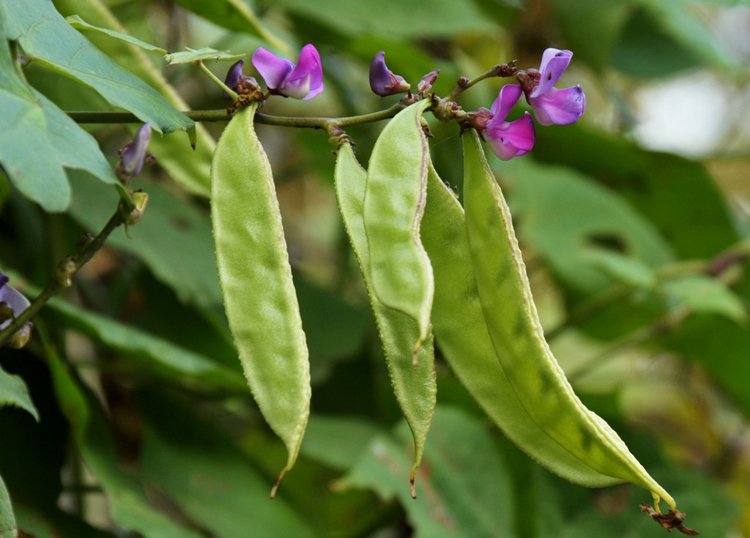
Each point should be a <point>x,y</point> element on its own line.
<point>21,337</point>
<point>140,200</point>
<point>132,155</point>
<point>427,81</point>
<point>382,81</point>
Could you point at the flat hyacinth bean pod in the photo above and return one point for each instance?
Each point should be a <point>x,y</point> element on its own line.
<point>256,282</point>
<point>414,386</point>
<point>518,337</point>
<point>461,334</point>
<point>394,202</point>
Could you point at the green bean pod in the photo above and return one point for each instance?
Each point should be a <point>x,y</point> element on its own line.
<point>517,334</point>
<point>415,387</point>
<point>256,282</point>
<point>461,334</point>
<point>394,202</point>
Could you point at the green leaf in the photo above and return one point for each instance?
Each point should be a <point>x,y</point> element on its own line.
<point>622,268</point>
<point>13,391</point>
<point>194,55</point>
<point>352,436</point>
<point>48,39</point>
<point>128,503</point>
<point>173,237</point>
<point>235,15</point>
<point>591,28</point>
<point>188,168</point>
<point>7,521</point>
<point>148,354</point>
<point>28,156</point>
<point>394,18</point>
<point>681,21</point>
<point>570,220</point>
<point>698,223</point>
<point>466,492</point>
<point>705,295</point>
<point>78,23</point>
<point>208,478</point>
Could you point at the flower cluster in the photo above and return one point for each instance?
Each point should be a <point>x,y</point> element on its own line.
<point>551,106</point>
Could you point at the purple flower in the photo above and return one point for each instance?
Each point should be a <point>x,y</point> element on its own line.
<point>509,139</point>
<point>12,302</point>
<point>235,78</point>
<point>552,106</point>
<point>382,80</point>
<point>132,155</point>
<point>302,81</point>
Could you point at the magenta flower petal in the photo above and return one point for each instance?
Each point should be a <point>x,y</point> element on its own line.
<point>511,139</point>
<point>559,107</point>
<point>309,62</point>
<point>273,69</point>
<point>302,81</point>
<point>552,68</point>
<point>506,100</point>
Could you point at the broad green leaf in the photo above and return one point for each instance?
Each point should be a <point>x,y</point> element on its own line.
<point>173,237</point>
<point>622,268</point>
<point>675,194</point>
<point>75,148</point>
<point>28,156</point>
<point>210,479</point>
<point>79,24</point>
<point>569,219</point>
<point>128,503</point>
<point>680,21</point>
<point>48,39</point>
<point>188,168</point>
<point>591,28</point>
<point>352,435</point>
<point>235,15</point>
<point>193,55</point>
<point>705,295</point>
<point>7,521</point>
<point>646,51</point>
<point>149,354</point>
<point>466,492</point>
<point>394,18</point>
<point>13,391</point>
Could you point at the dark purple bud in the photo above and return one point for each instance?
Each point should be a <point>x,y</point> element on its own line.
<point>382,81</point>
<point>132,155</point>
<point>234,76</point>
<point>427,81</point>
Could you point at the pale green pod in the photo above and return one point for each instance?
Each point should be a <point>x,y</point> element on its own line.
<point>256,282</point>
<point>394,202</point>
<point>518,337</point>
<point>414,386</point>
<point>461,334</point>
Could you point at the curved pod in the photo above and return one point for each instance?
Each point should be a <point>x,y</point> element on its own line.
<point>518,337</point>
<point>415,387</point>
<point>461,334</point>
<point>394,202</point>
<point>256,282</point>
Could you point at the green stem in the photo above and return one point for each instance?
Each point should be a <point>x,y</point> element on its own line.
<point>501,70</point>
<point>85,254</point>
<point>216,79</point>
<point>225,115</point>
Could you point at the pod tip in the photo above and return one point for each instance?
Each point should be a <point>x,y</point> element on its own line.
<point>672,520</point>
<point>411,484</point>
<point>276,484</point>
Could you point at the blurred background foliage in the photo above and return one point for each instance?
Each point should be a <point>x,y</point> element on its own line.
<point>633,224</point>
